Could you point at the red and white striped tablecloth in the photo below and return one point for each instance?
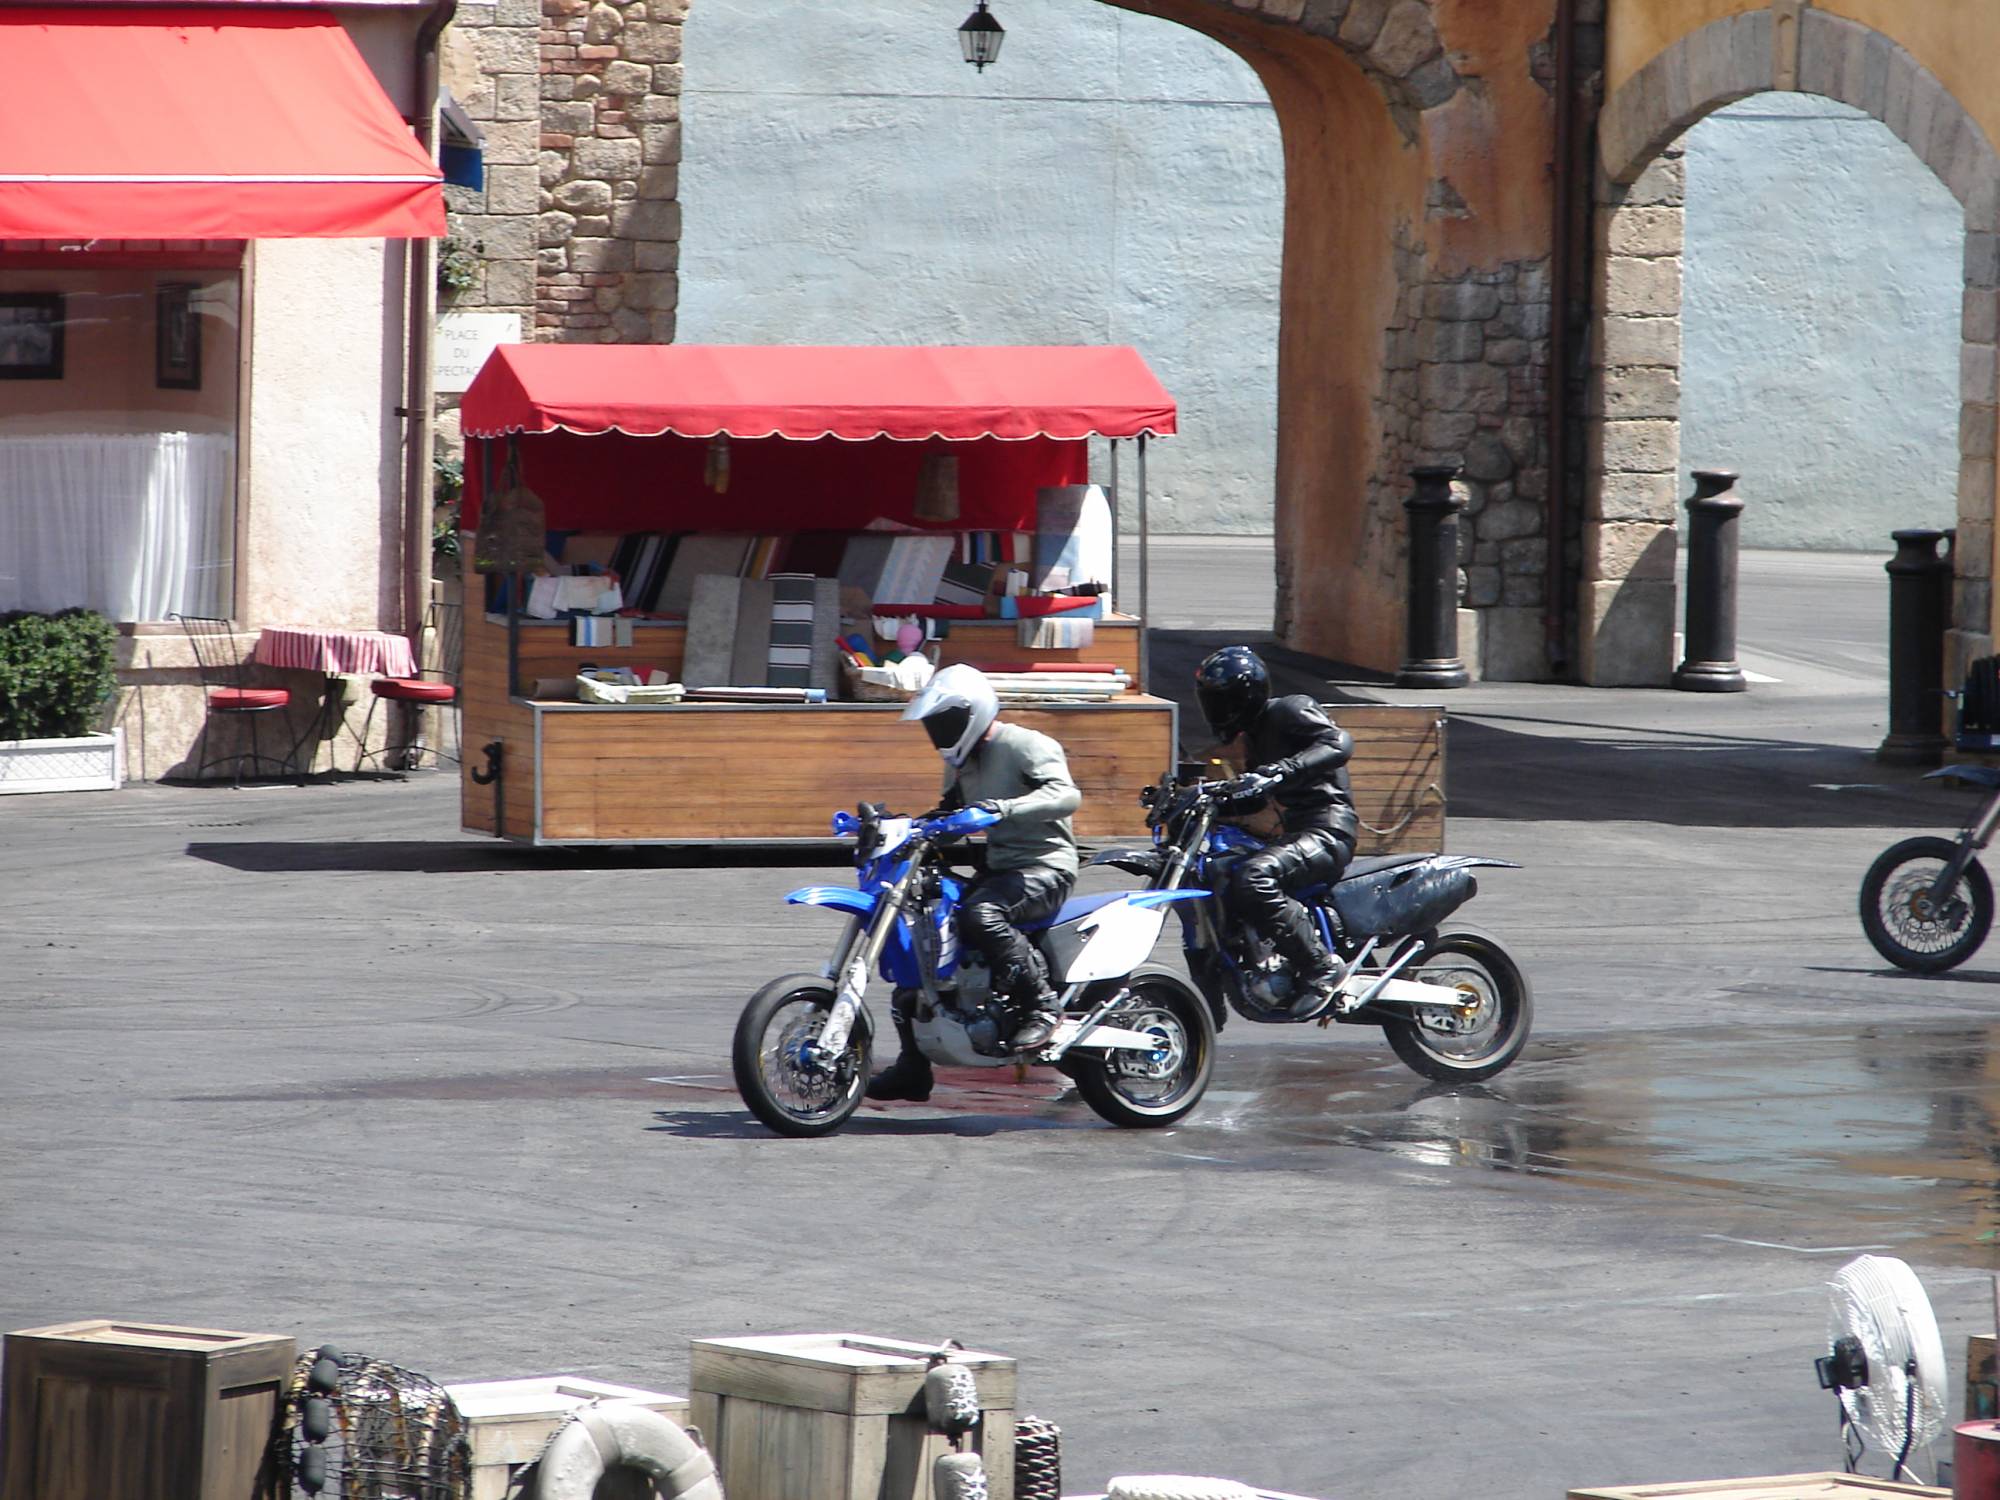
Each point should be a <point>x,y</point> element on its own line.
<point>335,653</point>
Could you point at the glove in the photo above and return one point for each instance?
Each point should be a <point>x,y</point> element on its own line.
<point>986,805</point>
<point>1251,787</point>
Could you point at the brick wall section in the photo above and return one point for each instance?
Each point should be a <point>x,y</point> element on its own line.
<point>578,227</point>
<point>608,234</point>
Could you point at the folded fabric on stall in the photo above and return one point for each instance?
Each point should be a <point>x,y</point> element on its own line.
<point>1073,532</point>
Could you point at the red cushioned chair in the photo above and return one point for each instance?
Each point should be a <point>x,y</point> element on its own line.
<point>224,669</point>
<point>434,686</point>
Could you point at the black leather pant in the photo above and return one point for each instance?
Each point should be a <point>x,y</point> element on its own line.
<point>986,924</point>
<point>1258,892</point>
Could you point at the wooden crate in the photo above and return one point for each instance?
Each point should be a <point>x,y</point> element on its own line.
<point>138,1411</point>
<point>508,1421</point>
<point>1826,1486</point>
<point>1982,1392</point>
<point>837,1416</point>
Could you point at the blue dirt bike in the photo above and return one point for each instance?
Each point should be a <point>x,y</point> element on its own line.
<point>1138,1042</point>
<point>1451,1001</point>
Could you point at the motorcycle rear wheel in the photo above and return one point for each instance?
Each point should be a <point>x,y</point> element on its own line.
<point>1896,913</point>
<point>783,1083</point>
<point>1146,1090</point>
<point>1499,1012</point>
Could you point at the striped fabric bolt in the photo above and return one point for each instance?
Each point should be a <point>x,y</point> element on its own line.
<point>791,630</point>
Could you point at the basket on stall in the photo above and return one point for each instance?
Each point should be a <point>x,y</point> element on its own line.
<point>873,685</point>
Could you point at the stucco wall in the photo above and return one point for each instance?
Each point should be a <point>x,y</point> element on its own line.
<point>1114,178</point>
<point>321,507</point>
<point>1820,323</point>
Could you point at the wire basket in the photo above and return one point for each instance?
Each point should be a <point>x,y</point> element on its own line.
<point>355,1428</point>
<point>870,685</point>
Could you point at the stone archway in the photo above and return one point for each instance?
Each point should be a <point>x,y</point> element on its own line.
<point>1627,615</point>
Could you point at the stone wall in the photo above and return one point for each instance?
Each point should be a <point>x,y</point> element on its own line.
<point>578,226</point>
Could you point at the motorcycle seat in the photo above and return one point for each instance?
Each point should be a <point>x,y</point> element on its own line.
<point>1374,864</point>
<point>1072,909</point>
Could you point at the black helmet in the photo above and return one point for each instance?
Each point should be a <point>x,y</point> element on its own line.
<point>1233,685</point>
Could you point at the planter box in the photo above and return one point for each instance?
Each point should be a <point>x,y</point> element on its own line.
<point>91,763</point>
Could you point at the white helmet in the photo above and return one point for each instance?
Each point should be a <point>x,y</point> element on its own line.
<point>956,708</point>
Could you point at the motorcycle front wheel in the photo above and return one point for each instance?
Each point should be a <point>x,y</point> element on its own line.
<point>1905,925</point>
<point>778,1070</point>
<point>1145,1090</point>
<point>1487,1033</point>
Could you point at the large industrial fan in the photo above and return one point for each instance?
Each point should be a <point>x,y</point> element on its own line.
<point>1886,1364</point>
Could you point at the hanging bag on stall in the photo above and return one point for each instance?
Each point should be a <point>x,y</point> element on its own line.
<point>513,526</point>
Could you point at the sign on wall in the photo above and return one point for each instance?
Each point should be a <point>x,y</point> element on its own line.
<point>464,339</point>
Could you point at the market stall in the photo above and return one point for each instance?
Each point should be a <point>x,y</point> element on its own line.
<point>738,528</point>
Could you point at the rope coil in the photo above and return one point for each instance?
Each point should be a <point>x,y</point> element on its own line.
<point>1037,1459</point>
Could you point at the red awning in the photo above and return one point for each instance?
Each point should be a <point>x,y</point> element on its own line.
<point>191,124</point>
<point>756,391</point>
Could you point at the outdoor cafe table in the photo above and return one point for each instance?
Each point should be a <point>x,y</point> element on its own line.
<point>333,654</point>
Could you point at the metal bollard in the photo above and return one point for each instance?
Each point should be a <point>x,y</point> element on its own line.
<point>1709,665</point>
<point>1919,607</point>
<point>1431,640</point>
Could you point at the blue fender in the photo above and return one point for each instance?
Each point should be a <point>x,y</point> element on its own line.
<point>843,896</point>
<point>1165,898</point>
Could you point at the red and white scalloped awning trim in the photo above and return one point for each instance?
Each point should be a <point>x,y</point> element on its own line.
<point>954,392</point>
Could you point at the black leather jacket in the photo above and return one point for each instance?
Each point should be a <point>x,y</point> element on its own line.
<point>1294,740</point>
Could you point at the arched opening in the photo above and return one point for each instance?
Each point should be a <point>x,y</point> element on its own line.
<point>1636,441</point>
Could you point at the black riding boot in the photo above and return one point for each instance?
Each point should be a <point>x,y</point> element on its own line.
<point>909,1076</point>
<point>1314,970</point>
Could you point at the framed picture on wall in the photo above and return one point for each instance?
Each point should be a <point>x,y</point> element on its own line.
<point>31,335</point>
<point>177,357</point>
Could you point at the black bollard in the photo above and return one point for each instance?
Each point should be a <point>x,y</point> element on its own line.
<point>1431,642</point>
<point>1919,607</point>
<point>1709,665</point>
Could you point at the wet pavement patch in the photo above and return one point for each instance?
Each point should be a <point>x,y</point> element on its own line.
<point>1803,1139</point>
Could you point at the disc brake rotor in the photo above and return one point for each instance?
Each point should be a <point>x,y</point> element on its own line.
<point>1164,1061</point>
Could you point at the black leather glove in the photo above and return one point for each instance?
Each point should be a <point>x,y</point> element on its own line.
<point>1248,789</point>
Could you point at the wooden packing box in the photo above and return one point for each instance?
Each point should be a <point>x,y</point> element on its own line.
<point>1982,1392</point>
<point>139,1411</point>
<point>1829,1486</point>
<point>508,1421</point>
<point>838,1416</point>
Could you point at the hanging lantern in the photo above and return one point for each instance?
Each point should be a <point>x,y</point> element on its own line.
<point>716,473</point>
<point>937,488</point>
<point>980,37</point>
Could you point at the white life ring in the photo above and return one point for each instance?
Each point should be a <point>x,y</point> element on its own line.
<point>622,1435</point>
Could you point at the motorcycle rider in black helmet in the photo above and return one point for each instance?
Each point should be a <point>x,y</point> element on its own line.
<point>1297,756</point>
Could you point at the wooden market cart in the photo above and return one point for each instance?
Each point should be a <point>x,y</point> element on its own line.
<point>776,441</point>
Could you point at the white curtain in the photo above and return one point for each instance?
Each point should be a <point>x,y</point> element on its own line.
<point>137,526</point>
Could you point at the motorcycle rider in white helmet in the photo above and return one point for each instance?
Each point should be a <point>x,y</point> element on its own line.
<point>1031,859</point>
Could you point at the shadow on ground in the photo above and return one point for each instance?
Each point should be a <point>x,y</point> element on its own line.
<point>1531,766</point>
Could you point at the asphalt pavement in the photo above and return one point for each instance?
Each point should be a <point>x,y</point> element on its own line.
<point>308,1060</point>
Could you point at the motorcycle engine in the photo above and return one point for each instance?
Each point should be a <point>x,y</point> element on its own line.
<point>1267,980</point>
<point>983,1015</point>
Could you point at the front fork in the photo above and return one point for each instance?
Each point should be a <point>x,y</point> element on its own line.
<point>1974,837</point>
<point>854,962</point>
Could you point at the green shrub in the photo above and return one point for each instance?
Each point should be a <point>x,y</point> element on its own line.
<point>56,671</point>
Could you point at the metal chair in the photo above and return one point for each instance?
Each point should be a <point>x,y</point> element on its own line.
<point>434,686</point>
<point>224,669</point>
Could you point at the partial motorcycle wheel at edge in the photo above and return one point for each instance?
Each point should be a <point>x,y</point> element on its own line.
<point>1476,1046</point>
<point>1146,1090</point>
<point>784,1086</point>
<point>1902,933</point>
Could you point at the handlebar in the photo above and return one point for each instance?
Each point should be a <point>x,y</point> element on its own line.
<point>934,824</point>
